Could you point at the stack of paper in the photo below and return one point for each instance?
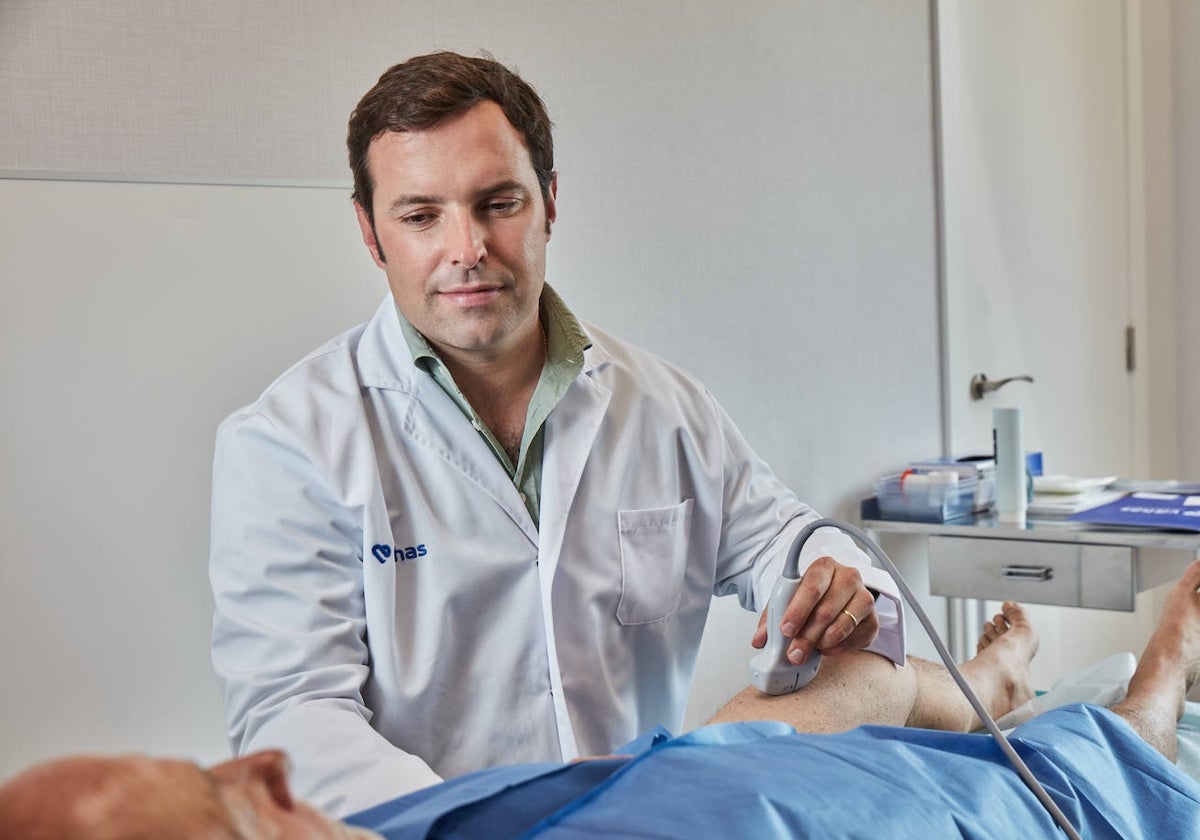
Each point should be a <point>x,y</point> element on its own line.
<point>1063,495</point>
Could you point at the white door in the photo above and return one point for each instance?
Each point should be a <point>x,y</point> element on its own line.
<point>1035,182</point>
<point>1037,250</point>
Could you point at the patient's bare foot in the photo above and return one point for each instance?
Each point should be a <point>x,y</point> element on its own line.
<point>1169,666</point>
<point>999,672</point>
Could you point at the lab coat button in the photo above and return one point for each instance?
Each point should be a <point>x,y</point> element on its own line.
<point>522,495</point>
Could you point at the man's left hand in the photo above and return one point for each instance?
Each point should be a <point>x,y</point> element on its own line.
<point>831,612</point>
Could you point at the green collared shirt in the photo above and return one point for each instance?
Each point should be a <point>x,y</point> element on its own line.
<point>565,343</point>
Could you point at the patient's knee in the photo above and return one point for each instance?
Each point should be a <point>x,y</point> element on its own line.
<point>849,690</point>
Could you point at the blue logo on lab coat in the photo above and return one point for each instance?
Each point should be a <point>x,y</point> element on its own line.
<point>399,554</point>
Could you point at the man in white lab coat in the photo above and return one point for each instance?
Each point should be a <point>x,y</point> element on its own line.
<point>473,531</point>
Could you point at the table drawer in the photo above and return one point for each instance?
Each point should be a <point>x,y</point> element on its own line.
<point>1064,574</point>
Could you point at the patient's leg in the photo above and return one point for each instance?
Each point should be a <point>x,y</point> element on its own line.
<point>854,688</point>
<point>998,674</point>
<point>1169,666</point>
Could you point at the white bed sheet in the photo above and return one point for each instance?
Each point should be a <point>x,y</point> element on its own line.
<point>1104,684</point>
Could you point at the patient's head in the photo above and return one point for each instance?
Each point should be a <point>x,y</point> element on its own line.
<point>134,797</point>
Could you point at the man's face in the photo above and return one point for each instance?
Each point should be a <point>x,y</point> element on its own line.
<point>136,796</point>
<point>461,230</point>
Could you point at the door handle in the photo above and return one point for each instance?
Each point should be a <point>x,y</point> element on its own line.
<point>982,386</point>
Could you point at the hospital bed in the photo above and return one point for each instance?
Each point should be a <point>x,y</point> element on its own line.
<point>1104,684</point>
<point>874,781</point>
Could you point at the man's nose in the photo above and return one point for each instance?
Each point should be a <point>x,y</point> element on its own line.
<point>269,767</point>
<point>465,240</point>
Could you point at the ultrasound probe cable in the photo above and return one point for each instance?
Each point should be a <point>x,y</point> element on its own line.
<point>773,673</point>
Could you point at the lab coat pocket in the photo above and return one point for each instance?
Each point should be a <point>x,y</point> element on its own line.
<point>654,546</point>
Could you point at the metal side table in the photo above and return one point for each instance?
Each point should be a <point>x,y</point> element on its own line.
<point>1048,561</point>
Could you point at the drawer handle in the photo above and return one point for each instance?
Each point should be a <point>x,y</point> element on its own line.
<point>1028,572</point>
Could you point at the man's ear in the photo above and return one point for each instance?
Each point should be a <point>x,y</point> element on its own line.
<point>368,234</point>
<point>551,203</point>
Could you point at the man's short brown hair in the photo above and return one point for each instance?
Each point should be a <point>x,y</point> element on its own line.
<point>422,92</point>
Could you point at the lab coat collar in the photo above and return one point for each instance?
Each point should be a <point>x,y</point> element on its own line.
<point>385,362</point>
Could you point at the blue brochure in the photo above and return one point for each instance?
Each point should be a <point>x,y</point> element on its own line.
<point>1163,511</point>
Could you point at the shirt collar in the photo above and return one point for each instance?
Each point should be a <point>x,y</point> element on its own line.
<point>565,337</point>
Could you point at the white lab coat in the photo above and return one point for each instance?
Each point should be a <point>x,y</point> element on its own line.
<point>387,612</point>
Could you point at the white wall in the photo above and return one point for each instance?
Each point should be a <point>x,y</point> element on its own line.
<point>745,188</point>
<point>135,317</point>
<point>1185,141</point>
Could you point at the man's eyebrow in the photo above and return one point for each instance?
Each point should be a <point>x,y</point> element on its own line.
<point>209,779</point>
<point>502,186</point>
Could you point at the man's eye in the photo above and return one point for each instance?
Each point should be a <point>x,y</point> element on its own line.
<point>502,206</point>
<point>417,219</point>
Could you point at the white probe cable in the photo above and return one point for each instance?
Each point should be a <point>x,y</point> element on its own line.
<point>791,571</point>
